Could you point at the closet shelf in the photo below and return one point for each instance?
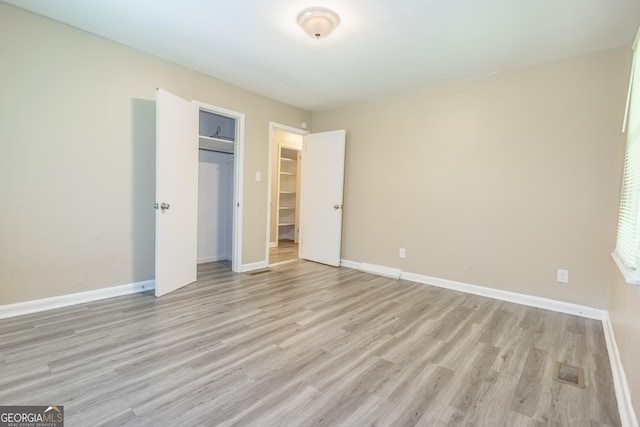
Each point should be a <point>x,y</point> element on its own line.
<point>215,144</point>
<point>288,185</point>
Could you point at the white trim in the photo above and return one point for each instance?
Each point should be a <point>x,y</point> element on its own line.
<point>254,266</point>
<point>238,181</point>
<point>626,105</point>
<point>35,306</point>
<point>626,108</point>
<point>393,273</point>
<point>623,394</point>
<point>269,190</point>
<point>289,129</point>
<point>214,259</point>
<point>629,277</point>
<point>238,197</point>
<point>350,264</point>
<point>499,294</point>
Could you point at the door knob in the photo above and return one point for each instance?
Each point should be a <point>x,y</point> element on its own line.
<point>336,207</point>
<point>164,206</point>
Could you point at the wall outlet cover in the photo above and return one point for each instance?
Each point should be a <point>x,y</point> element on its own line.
<point>563,276</point>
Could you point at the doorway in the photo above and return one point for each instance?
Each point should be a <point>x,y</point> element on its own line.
<point>315,227</point>
<point>218,151</point>
<point>285,167</point>
<point>177,169</point>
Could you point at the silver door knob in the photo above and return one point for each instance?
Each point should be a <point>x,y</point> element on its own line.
<point>336,207</point>
<point>164,206</point>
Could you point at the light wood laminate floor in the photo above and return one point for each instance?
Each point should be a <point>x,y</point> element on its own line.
<point>306,345</point>
<point>286,250</point>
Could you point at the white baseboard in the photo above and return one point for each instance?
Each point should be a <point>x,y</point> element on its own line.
<point>350,264</point>
<point>20,308</point>
<point>35,306</point>
<point>529,300</point>
<point>623,394</point>
<point>254,266</point>
<point>214,259</point>
<point>499,294</point>
<point>393,273</point>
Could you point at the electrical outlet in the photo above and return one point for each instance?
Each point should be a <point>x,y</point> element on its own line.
<point>563,276</point>
<point>258,177</point>
<point>402,253</point>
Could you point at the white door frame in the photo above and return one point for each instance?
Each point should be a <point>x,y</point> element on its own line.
<point>238,182</point>
<point>272,127</point>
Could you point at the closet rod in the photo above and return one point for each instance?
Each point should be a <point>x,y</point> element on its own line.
<point>214,150</point>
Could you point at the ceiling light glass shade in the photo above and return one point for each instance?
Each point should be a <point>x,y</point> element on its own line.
<point>318,22</point>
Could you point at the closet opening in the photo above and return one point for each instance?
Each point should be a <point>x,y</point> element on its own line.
<point>284,219</point>
<point>217,187</point>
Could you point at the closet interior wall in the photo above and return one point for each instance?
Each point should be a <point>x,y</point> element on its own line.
<point>215,187</point>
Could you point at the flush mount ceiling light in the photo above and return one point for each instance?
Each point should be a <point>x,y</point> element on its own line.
<point>318,22</point>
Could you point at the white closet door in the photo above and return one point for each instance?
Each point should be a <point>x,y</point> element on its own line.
<point>321,197</point>
<point>176,192</point>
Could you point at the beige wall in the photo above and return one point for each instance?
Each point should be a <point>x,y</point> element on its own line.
<point>497,182</point>
<point>77,157</point>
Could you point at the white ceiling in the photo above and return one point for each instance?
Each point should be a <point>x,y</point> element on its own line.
<point>381,47</point>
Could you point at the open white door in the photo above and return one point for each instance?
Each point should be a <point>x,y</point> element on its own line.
<point>321,194</point>
<point>176,192</point>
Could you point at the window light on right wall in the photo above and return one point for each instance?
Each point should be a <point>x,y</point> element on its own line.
<point>627,253</point>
